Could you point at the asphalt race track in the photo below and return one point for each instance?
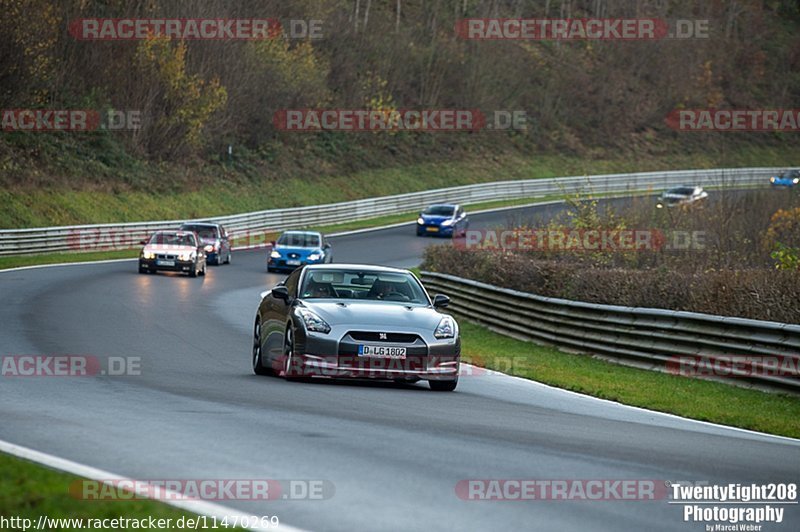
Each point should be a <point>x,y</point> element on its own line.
<point>393,453</point>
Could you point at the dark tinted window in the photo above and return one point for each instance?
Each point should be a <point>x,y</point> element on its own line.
<point>204,231</point>
<point>291,282</point>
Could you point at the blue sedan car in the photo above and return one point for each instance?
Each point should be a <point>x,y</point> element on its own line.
<point>442,220</point>
<point>298,248</point>
<point>787,179</point>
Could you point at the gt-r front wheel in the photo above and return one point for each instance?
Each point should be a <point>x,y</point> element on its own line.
<point>288,354</point>
<point>258,366</point>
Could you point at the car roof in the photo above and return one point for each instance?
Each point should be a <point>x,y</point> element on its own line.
<point>314,233</point>
<point>209,224</point>
<point>177,232</point>
<point>443,205</point>
<point>364,267</point>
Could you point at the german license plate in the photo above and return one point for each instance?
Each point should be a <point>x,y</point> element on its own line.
<point>293,262</point>
<point>381,351</point>
<point>165,263</point>
<point>432,229</point>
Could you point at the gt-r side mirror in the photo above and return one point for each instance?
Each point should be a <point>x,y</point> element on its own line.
<point>280,292</point>
<point>440,301</point>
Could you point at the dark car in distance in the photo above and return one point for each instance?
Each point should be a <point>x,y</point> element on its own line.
<point>214,238</point>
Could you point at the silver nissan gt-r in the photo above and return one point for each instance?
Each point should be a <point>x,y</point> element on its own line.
<point>356,321</point>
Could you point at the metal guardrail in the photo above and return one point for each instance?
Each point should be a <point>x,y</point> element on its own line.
<point>128,235</point>
<point>680,342</point>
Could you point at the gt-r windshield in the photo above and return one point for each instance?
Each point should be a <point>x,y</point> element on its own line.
<point>299,240</point>
<point>365,285</point>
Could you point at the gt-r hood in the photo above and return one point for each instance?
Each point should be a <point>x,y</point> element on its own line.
<point>370,314</point>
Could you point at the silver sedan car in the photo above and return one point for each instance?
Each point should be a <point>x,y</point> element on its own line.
<point>356,321</point>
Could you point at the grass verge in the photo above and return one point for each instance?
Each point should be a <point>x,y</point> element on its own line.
<point>692,398</point>
<point>29,490</point>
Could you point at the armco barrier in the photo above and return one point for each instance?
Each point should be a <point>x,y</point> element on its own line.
<point>657,337</point>
<point>128,235</point>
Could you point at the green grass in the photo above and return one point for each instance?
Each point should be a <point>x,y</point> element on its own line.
<point>693,398</point>
<point>55,258</point>
<point>235,190</point>
<point>28,490</point>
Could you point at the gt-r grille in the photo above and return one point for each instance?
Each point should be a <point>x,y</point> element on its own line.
<point>369,336</point>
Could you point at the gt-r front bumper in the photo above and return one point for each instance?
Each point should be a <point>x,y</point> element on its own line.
<point>319,355</point>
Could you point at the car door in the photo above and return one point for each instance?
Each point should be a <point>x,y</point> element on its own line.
<point>277,315</point>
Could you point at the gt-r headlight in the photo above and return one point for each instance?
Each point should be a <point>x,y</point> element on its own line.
<point>148,255</point>
<point>275,254</point>
<point>771,179</point>
<point>313,322</point>
<point>190,255</point>
<point>448,222</point>
<point>445,329</point>
<point>420,221</point>
<point>796,180</point>
<point>315,256</point>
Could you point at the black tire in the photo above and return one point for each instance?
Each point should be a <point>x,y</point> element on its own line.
<point>258,363</point>
<point>288,352</point>
<point>193,271</point>
<point>143,270</point>
<point>443,386</point>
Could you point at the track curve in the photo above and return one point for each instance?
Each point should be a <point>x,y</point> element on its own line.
<point>394,453</point>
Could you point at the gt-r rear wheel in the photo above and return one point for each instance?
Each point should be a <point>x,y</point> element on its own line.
<point>258,366</point>
<point>443,386</point>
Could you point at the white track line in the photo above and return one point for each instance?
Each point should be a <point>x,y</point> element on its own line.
<point>196,507</point>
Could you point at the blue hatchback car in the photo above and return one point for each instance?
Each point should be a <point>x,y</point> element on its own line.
<point>298,248</point>
<point>787,179</point>
<point>444,219</point>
